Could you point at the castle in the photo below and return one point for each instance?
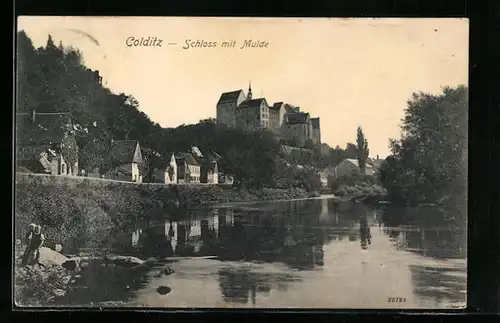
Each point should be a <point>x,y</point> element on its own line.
<point>237,110</point>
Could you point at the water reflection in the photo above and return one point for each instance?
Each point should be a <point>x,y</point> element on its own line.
<point>235,234</point>
<point>242,286</point>
<point>364,232</point>
<point>313,237</point>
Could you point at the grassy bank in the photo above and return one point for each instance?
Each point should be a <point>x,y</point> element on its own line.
<point>73,210</point>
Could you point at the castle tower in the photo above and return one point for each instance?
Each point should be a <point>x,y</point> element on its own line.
<point>249,96</point>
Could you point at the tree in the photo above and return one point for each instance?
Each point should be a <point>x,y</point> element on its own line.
<point>430,159</point>
<point>151,160</point>
<point>361,150</point>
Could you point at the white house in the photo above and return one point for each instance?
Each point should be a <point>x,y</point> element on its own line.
<point>210,168</point>
<point>188,169</point>
<point>350,166</point>
<point>166,174</point>
<point>126,154</point>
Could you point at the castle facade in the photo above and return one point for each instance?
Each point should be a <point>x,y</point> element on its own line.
<point>237,110</point>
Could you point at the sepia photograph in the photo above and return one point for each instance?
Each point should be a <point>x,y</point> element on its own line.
<point>221,162</point>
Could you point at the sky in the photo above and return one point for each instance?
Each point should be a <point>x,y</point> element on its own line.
<point>348,72</point>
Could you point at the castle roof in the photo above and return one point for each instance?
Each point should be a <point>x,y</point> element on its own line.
<point>291,108</point>
<point>315,123</point>
<point>297,117</point>
<point>124,151</point>
<point>230,96</point>
<point>254,103</point>
<point>277,106</point>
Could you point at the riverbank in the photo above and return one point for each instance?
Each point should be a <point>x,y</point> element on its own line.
<point>73,210</point>
<point>57,277</point>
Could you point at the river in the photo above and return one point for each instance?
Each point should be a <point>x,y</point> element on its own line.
<point>292,254</point>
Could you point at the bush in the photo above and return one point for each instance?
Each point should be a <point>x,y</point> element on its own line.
<point>72,212</point>
<point>356,185</point>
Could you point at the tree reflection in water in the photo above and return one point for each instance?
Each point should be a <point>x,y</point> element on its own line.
<point>364,232</point>
<point>241,285</point>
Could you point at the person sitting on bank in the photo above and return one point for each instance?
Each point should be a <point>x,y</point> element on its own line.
<point>27,241</point>
<point>36,241</point>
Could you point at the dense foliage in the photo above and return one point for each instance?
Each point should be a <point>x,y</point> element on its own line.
<point>357,185</point>
<point>429,162</point>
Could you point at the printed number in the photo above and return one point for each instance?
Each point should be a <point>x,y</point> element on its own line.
<point>396,299</point>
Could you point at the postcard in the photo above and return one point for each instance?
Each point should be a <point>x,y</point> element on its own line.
<point>210,162</point>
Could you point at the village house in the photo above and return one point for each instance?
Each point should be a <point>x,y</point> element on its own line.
<point>166,172</point>
<point>210,168</point>
<point>46,144</point>
<point>225,178</point>
<point>188,168</point>
<point>349,167</point>
<point>125,159</point>
<point>376,163</point>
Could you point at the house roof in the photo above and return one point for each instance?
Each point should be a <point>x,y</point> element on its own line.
<point>189,158</point>
<point>315,123</point>
<point>46,128</point>
<point>254,103</point>
<point>287,150</point>
<point>30,152</point>
<point>230,96</point>
<point>164,161</point>
<point>376,163</point>
<point>297,117</point>
<point>355,162</point>
<point>291,108</point>
<point>216,155</point>
<point>277,106</point>
<point>209,164</point>
<point>212,156</point>
<point>124,151</point>
<point>196,152</point>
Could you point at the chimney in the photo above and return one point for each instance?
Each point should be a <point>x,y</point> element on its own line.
<point>377,157</point>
